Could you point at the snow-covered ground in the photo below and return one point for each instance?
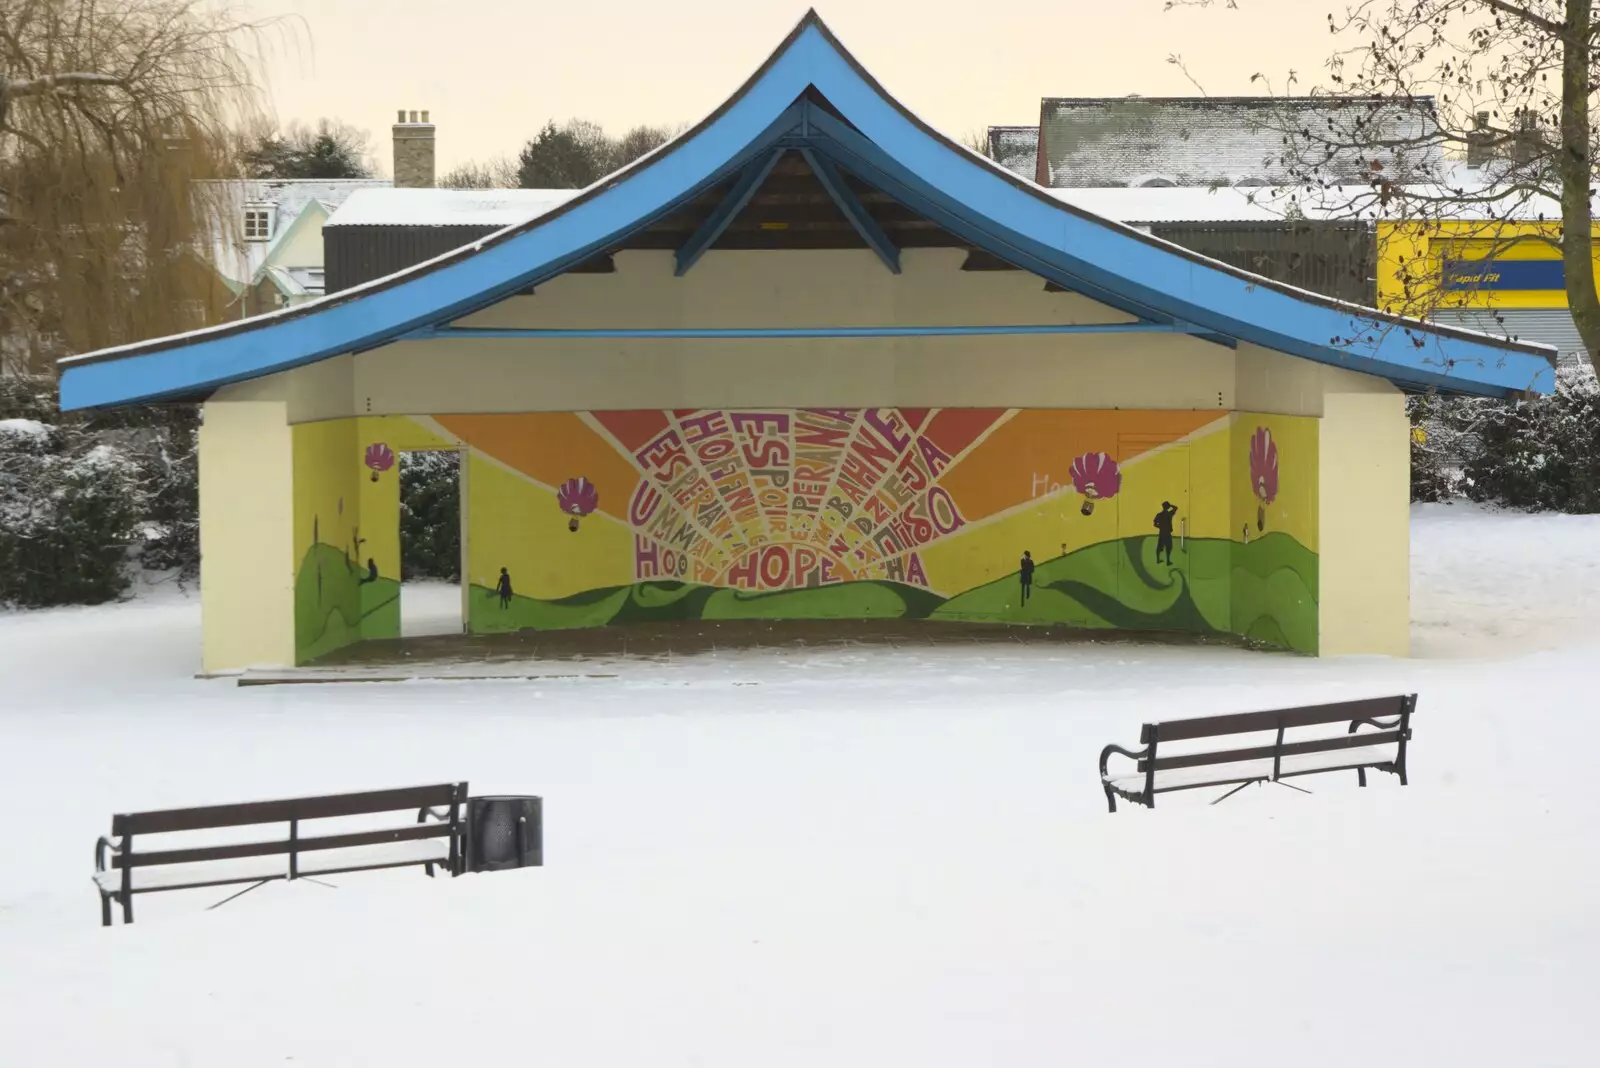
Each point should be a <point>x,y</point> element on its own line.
<point>851,857</point>
<point>428,606</point>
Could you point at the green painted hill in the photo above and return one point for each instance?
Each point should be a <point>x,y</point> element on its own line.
<point>664,601</point>
<point>333,607</point>
<point>1265,590</point>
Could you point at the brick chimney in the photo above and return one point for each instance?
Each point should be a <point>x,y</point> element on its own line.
<point>1480,141</point>
<point>413,151</point>
<point>1527,142</point>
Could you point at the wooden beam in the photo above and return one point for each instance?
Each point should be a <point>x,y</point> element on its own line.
<point>706,235</point>
<point>864,223</point>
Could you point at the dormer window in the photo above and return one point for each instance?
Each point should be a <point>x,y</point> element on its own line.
<point>258,222</point>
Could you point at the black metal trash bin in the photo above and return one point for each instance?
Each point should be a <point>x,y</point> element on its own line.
<point>503,832</point>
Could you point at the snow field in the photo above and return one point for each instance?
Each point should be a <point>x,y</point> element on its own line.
<point>846,856</point>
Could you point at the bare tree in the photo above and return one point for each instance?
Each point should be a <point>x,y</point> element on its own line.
<point>1506,87</point>
<point>109,109</point>
<point>500,172</point>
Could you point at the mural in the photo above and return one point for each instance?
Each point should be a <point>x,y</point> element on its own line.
<point>347,528</point>
<point>1158,520</point>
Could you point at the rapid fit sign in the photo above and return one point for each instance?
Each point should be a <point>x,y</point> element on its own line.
<point>1504,275</point>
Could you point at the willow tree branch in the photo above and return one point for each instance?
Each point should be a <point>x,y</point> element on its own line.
<point>49,83</point>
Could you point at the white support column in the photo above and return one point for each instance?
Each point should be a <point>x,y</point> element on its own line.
<point>1365,517</point>
<point>247,564</point>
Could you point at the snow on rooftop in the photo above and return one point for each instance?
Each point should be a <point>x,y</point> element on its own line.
<point>448,207</point>
<point>241,261</point>
<point>1254,203</point>
<point>1202,141</point>
<point>1016,148</point>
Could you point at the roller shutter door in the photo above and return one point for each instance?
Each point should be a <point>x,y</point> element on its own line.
<point>1547,326</point>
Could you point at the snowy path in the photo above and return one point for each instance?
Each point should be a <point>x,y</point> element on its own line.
<point>872,858</point>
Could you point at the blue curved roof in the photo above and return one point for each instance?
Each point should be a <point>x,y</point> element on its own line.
<point>812,96</point>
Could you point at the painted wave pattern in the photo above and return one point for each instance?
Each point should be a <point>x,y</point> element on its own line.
<point>1265,590</point>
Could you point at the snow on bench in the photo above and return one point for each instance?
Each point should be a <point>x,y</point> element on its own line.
<point>121,871</point>
<point>1152,773</point>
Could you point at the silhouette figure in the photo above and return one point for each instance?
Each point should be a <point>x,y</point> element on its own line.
<point>503,588</point>
<point>372,572</point>
<point>1163,525</point>
<point>1025,570</point>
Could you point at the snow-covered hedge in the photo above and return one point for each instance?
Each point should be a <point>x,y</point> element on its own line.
<point>83,502</point>
<point>430,515</point>
<point>1538,455</point>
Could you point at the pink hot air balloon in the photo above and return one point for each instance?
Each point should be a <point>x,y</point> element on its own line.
<point>379,458</point>
<point>1097,477</point>
<point>577,497</point>
<point>1263,472</point>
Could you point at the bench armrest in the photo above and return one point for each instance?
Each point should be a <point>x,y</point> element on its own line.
<point>101,848</point>
<point>1381,724</point>
<point>424,813</point>
<point>1105,755</point>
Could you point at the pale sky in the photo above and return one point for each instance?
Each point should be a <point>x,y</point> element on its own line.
<point>492,71</point>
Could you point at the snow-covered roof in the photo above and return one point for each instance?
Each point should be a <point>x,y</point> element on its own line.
<point>1016,148</point>
<point>447,207</point>
<point>239,261</point>
<point>298,281</point>
<point>1173,204</point>
<point>1205,141</point>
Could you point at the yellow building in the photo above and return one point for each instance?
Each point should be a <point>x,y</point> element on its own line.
<point>813,360</point>
<point>1503,278</point>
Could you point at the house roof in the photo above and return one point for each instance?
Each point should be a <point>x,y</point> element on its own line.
<point>812,96</point>
<point>240,262</point>
<point>1016,148</point>
<point>447,207</point>
<point>1206,141</point>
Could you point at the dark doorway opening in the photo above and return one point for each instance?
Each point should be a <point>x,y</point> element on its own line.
<point>431,601</point>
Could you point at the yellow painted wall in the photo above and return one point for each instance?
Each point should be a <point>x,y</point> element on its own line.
<point>331,598</point>
<point>247,559</point>
<point>1364,533</point>
<point>1410,255</point>
<point>668,483</point>
<point>1296,509</point>
<point>380,498</point>
<point>1048,517</point>
<point>514,523</point>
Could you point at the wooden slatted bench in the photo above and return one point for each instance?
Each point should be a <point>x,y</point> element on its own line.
<point>1383,749</point>
<point>433,838</point>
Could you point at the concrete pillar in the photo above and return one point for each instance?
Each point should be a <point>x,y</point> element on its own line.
<point>247,562</point>
<point>1365,519</point>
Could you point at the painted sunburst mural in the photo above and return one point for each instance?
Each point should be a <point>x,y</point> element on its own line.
<point>1151,520</point>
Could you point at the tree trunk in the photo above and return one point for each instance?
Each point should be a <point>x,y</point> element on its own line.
<point>1577,217</point>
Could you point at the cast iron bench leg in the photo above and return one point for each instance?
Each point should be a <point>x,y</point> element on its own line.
<point>1111,798</point>
<point>1361,774</point>
<point>105,911</point>
<point>127,908</point>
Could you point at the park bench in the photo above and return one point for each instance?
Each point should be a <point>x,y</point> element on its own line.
<point>434,838</point>
<point>1239,764</point>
